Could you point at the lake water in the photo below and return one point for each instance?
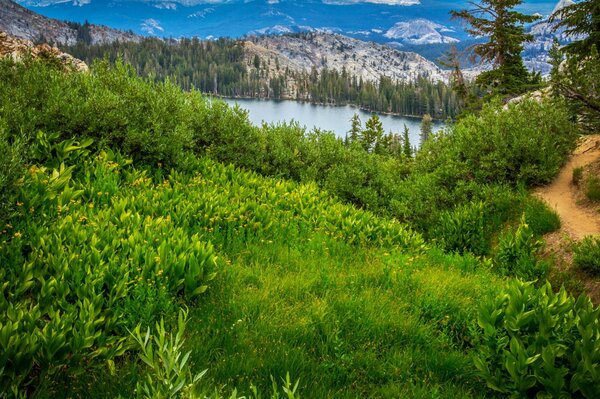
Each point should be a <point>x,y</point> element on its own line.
<point>331,118</point>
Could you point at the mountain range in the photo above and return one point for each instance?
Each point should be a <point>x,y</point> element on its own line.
<point>396,22</point>
<point>409,25</point>
<point>20,22</point>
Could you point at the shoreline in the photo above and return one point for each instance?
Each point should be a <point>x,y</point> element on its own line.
<point>362,108</point>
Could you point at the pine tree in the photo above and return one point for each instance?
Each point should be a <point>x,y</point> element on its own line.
<point>451,59</point>
<point>578,77</point>
<point>407,148</point>
<point>355,129</point>
<point>373,133</point>
<point>581,20</point>
<point>496,20</point>
<point>426,128</point>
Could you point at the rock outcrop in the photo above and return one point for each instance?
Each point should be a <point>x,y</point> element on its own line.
<point>20,22</point>
<point>364,60</point>
<point>18,49</point>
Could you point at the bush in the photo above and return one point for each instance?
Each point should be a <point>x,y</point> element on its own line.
<point>463,229</point>
<point>526,143</point>
<point>592,191</point>
<point>577,175</point>
<point>11,169</point>
<point>516,253</point>
<point>586,254</point>
<point>537,343</point>
<point>73,259</point>
<point>540,219</point>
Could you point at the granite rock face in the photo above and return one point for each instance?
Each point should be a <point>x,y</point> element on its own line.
<point>20,22</point>
<point>368,61</point>
<point>18,49</point>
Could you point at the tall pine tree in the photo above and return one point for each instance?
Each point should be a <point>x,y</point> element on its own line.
<point>503,27</point>
<point>580,20</point>
<point>578,77</point>
<point>426,128</point>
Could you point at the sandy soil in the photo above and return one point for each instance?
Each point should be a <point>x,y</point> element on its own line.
<point>578,217</point>
<point>578,220</point>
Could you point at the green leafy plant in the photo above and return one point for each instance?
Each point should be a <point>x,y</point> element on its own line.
<point>463,229</point>
<point>516,253</point>
<point>592,190</point>
<point>169,374</point>
<point>539,217</point>
<point>586,254</point>
<point>577,175</point>
<point>538,343</point>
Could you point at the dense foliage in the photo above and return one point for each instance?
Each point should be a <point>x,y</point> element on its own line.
<point>219,67</point>
<point>576,66</point>
<point>504,29</point>
<point>537,343</point>
<point>580,20</point>
<point>586,254</point>
<point>130,198</point>
<point>158,124</point>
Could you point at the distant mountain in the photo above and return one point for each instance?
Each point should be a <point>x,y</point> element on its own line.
<point>398,21</point>
<point>20,22</point>
<point>421,26</point>
<point>536,53</point>
<point>365,60</point>
<point>420,31</point>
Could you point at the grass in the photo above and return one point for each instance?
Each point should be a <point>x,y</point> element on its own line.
<point>279,277</point>
<point>346,319</point>
<point>592,191</point>
<point>356,325</point>
<point>586,254</point>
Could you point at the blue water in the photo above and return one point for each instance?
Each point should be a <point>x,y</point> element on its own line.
<point>330,118</point>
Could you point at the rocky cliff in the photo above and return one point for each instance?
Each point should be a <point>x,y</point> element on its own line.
<point>17,49</point>
<point>23,23</point>
<point>367,60</point>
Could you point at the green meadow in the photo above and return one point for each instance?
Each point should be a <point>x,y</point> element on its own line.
<point>155,244</point>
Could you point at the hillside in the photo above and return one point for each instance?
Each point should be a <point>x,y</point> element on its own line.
<point>20,22</point>
<point>296,263</point>
<point>368,61</point>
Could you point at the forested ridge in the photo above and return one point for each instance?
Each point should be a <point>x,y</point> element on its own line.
<point>218,67</point>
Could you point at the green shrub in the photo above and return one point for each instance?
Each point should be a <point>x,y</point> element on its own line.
<point>169,373</point>
<point>72,260</point>
<point>539,217</point>
<point>463,229</point>
<point>577,175</point>
<point>12,167</point>
<point>516,253</point>
<point>526,143</point>
<point>592,191</point>
<point>537,343</point>
<point>586,254</point>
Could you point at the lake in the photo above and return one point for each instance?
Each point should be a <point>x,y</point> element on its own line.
<point>331,118</point>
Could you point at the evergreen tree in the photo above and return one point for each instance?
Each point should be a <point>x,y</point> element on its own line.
<point>496,20</point>
<point>426,128</point>
<point>384,145</point>
<point>578,77</point>
<point>372,134</point>
<point>407,148</point>
<point>581,20</point>
<point>355,128</point>
<point>256,62</point>
<point>451,60</point>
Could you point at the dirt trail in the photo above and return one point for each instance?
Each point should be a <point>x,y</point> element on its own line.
<point>577,220</point>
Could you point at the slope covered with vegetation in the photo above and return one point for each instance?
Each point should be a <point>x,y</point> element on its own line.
<point>297,256</point>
